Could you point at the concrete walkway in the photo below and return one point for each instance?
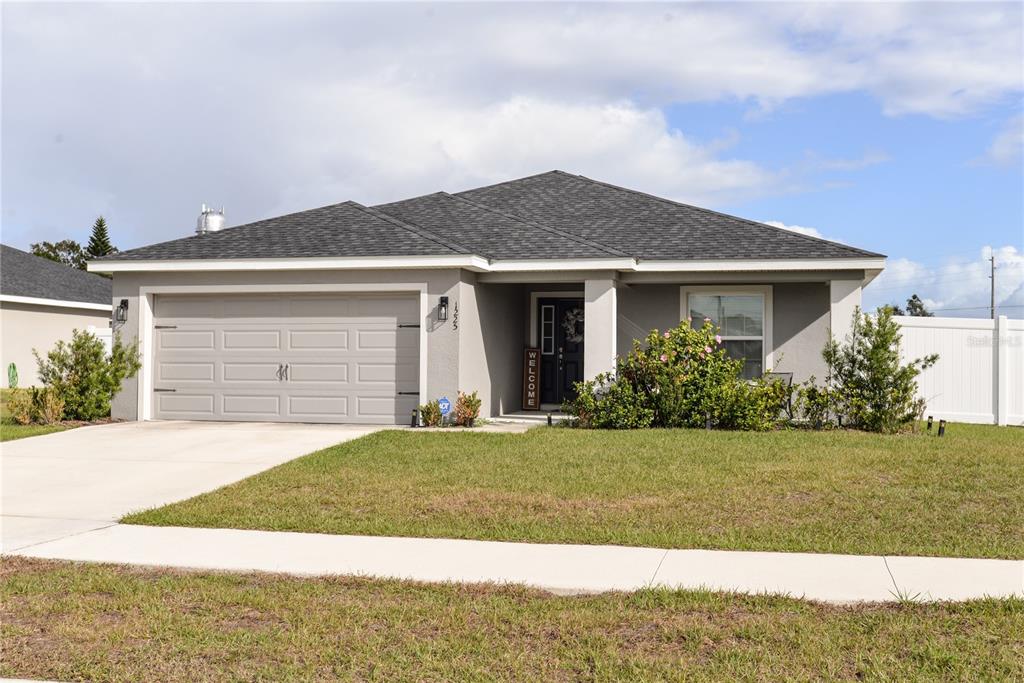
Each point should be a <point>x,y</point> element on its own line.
<point>559,568</point>
<point>70,482</point>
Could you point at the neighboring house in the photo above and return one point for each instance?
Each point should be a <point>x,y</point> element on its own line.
<point>41,302</point>
<point>349,313</point>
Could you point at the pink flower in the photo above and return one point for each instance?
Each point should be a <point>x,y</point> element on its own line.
<point>707,320</point>
<point>667,335</point>
<point>707,349</point>
<point>664,358</point>
<point>718,339</point>
<point>689,319</point>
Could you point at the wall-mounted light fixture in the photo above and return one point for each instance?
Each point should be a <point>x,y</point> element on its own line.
<point>442,308</point>
<point>121,312</point>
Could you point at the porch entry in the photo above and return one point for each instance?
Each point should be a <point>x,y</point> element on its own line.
<point>560,337</point>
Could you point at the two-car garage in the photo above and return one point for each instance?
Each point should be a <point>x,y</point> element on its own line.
<point>330,357</point>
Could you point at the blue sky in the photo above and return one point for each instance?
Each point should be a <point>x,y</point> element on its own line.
<point>894,127</point>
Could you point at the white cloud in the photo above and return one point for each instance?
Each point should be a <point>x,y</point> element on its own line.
<point>1008,144</point>
<point>141,111</point>
<point>957,287</point>
<point>803,230</point>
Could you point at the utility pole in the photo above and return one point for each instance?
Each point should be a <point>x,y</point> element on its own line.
<point>992,299</point>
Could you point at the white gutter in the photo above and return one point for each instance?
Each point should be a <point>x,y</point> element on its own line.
<point>759,265</point>
<point>479,264</point>
<point>56,303</point>
<point>469,262</point>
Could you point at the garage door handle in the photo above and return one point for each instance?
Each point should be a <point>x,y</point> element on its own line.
<point>408,393</point>
<point>163,390</point>
<point>285,372</point>
<point>280,372</point>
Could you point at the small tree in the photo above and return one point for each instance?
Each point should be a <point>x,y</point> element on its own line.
<point>84,376</point>
<point>99,240</point>
<point>68,252</point>
<point>867,386</point>
<point>916,308</point>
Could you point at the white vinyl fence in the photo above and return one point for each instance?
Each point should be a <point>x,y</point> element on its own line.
<point>105,334</point>
<point>979,376</point>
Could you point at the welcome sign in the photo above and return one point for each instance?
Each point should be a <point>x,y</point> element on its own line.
<point>531,379</point>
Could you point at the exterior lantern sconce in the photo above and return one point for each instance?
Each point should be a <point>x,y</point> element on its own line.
<point>121,312</point>
<point>442,308</point>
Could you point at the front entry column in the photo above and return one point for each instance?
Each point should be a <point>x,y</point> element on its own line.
<point>600,311</point>
<point>844,297</point>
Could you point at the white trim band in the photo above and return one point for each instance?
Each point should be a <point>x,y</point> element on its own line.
<point>56,303</point>
<point>480,264</point>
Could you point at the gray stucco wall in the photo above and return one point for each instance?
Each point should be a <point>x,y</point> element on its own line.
<point>491,353</point>
<point>482,350</point>
<point>442,339</point>
<point>800,328</point>
<point>800,313</point>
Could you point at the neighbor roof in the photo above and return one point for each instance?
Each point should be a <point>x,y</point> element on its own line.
<point>554,215</point>
<point>23,274</point>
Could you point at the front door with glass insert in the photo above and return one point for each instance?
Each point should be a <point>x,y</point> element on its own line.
<point>740,317</point>
<point>560,332</point>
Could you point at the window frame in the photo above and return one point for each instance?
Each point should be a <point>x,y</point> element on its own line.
<point>766,294</point>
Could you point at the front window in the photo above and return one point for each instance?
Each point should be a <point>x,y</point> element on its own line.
<point>740,317</point>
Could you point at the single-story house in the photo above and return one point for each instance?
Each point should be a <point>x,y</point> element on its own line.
<point>41,302</point>
<point>352,313</point>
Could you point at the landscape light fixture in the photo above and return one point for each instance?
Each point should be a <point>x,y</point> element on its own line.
<point>442,308</point>
<point>121,312</point>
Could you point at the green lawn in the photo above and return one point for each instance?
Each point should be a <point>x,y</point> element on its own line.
<point>10,431</point>
<point>845,492</point>
<point>95,622</point>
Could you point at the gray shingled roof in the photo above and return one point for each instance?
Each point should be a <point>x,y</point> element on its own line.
<point>646,226</point>
<point>340,230</point>
<point>22,274</point>
<point>492,234</point>
<point>553,215</point>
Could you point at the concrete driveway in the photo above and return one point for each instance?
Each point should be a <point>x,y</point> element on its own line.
<point>70,482</point>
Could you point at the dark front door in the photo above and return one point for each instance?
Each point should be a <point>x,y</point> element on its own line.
<point>560,332</point>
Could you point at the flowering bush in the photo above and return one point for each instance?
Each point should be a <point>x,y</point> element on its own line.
<point>678,378</point>
<point>430,412</point>
<point>467,409</point>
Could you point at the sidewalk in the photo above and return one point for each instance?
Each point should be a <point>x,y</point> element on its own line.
<point>558,568</point>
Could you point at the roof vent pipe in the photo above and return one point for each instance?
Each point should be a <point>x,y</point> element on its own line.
<point>210,220</point>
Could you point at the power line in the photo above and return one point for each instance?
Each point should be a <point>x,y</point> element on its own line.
<point>928,281</point>
<point>974,308</point>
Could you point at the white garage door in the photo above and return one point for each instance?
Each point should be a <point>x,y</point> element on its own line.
<point>292,358</point>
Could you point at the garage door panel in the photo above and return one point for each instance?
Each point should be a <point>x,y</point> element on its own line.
<point>263,405</point>
<point>266,371</point>
<point>317,407</point>
<point>251,340</point>
<point>186,339</point>
<point>347,358</point>
<point>320,340</point>
<point>317,372</point>
<point>180,404</point>
<point>171,371</point>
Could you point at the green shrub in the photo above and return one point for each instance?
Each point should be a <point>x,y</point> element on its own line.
<point>84,376</point>
<point>12,376</point>
<point>431,414</point>
<point>867,387</point>
<point>467,408</point>
<point>679,378</point>
<point>607,404</point>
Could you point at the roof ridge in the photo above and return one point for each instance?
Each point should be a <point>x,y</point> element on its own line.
<point>759,224</point>
<point>541,226</point>
<point>514,180</point>
<point>411,227</point>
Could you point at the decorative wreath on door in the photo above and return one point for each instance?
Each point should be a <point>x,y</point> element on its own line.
<point>572,323</point>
